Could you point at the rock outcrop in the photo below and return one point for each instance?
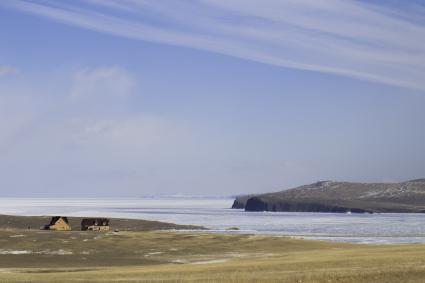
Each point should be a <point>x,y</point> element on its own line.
<point>240,201</point>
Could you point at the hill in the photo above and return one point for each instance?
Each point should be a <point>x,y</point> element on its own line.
<point>328,196</point>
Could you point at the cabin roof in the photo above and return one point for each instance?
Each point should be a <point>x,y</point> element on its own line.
<point>92,221</point>
<point>57,218</point>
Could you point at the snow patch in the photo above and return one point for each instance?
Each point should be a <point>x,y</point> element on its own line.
<point>15,252</point>
<point>58,252</point>
<point>210,261</point>
<point>153,253</point>
<point>180,261</point>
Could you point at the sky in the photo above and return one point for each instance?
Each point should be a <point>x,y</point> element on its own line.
<point>208,97</point>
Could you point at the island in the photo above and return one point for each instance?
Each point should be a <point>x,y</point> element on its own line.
<point>344,197</point>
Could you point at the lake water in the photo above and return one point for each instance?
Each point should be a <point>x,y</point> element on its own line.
<point>216,215</point>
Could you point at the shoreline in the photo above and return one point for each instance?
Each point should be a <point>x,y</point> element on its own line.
<point>20,222</point>
<point>158,255</point>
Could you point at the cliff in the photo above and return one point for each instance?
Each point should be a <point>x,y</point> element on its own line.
<point>240,201</point>
<point>330,196</point>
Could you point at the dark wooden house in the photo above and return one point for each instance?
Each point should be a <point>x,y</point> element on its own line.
<point>95,224</point>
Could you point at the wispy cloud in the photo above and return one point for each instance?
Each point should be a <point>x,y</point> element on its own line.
<point>349,38</point>
<point>7,70</point>
<point>102,81</point>
<point>83,135</point>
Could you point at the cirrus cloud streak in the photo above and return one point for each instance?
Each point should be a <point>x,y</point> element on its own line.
<point>347,38</point>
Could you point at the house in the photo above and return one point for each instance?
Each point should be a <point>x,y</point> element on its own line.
<point>95,224</point>
<point>59,223</point>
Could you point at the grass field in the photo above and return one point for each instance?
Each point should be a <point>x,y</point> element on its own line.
<point>152,256</point>
<point>139,252</point>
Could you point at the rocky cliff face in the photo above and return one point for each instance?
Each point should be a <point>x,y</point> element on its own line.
<point>240,201</point>
<point>330,196</point>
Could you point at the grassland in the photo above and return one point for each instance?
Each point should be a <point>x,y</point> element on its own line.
<point>154,256</point>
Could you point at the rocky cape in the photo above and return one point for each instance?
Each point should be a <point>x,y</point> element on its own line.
<point>328,196</point>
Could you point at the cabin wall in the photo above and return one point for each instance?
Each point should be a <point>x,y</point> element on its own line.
<point>60,225</point>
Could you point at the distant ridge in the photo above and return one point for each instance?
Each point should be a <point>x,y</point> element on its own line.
<point>329,196</point>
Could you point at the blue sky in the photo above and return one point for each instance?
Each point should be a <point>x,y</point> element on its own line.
<point>128,98</point>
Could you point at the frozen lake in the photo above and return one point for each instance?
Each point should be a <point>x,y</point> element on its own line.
<point>217,215</point>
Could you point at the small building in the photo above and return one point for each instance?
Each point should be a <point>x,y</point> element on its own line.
<point>59,223</point>
<point>95,224</point>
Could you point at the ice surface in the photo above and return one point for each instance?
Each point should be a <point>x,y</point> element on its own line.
<point>216,214</point>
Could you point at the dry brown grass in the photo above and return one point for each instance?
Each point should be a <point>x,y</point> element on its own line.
<point>179,257</point>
